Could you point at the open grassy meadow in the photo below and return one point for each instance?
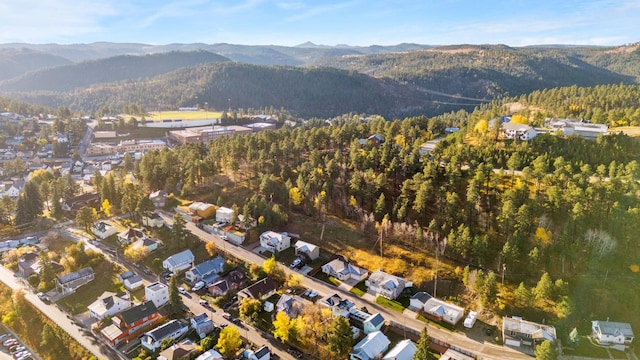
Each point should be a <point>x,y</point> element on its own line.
<point>633,131</point>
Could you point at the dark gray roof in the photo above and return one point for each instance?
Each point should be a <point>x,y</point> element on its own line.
<point>138,312</point>
<point>162,331</point>
<point>261,287</point>
<point>421,296</point>
<point>264,350</point>
<point>375,320</point>
<point>64,279</point>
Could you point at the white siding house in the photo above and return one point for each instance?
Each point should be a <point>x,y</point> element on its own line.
<point>157,292</point>
<point>178,262</point>
<point>385,285</point>
<point>274,242</point>
<point>609,332</point>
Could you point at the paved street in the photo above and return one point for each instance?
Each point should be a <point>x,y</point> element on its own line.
<point>81,335</point>
<point>482,349</point>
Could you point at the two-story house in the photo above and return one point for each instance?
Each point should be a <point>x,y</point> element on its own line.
<point>207,270</point>
<point>103,230</point>
<point>67,284</point>
<point>202,325</point>
<point>274,242</point>
<point>385,285</point>
<point>109,304</point>
<point>233,281</point>
<point>342,270</point>
<point>157,292</point>
<point>130,323</point>
<point>152,340</point>
<point>262,289</point>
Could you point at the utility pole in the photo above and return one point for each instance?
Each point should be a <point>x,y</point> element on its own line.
<point>435,283</point>
<point>504,269</point>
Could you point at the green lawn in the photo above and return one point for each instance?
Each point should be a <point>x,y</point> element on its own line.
<point>328,279</point>
<point>105,280</point>
<point>586,349</point>
<point>390,304</point>
<point>360,289</point>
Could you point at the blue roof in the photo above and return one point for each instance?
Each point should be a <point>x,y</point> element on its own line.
<point>375,320</point>
<point>210,266</point>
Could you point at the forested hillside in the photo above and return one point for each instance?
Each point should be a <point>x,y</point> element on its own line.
<point>483,72</point>
<point>15,62</point>
<point>305,92</point>
<point>125,67</point>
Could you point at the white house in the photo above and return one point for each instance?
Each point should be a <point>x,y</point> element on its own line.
<point>206,270</point>
<point>275,242</point>
<point>211,354</point>
<point>131,235</point>
<point>158,198</point>
<point>369,323</point>
<point>103,230</point>
<point>418,300</point>
<point>338,306</point>
<point>154,220</point>
<point>202,325</point>
<point>178,262</point>
<point>518,131</point>
<point>404,350</point>
<point>157,292</point>
<point>311,251</point>
<point>261,354</point>
<point>224,214</point>
<point>15,189</point>
<point>68,284</point>
<point>518,332</point>
<point>133,282</point>
<point>152,340</point>
<point>385,285</point>
<point>609,332</point>
<point>443,311</point>
<point>343,270</point>
<point>146,243</point>
<point>109,304</point>
<point>371,347</point>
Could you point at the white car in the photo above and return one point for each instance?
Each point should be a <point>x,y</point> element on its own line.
<point>182,291</point>
<point>471,319</point>
<point>199,285</point>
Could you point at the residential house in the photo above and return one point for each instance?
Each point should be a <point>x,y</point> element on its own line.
<point>224,215</point>
<point>610,332</point>
<point>417,301</point>
<point>452,354</point>
<point>385,285</point>
<point>103,230</point>
<point>79,201</point>
<point>443,311</point>
<point>179,351</point>
<point>309,251</point>
<point>367,322</point>
<point>157,292</point>
<point>581,128</point>
<point>275,242</point>
<point>518,131</point>
<point>153,220</point>
<point>129,323</point>
<point>109,304</point>
<point>342,270</point>
<point>262,353</point>
<point>131,235</point>
<point>152,340</point>
<point>67,284</point>
<point>262,289</point>
<point>404,350</point>
<point>207,270</point>
<point>27,264</point>
<point>338,306</point>
<point>158,198</point>
<point>130,280</point>
<point>211,354</point>
<point>376,139</point>
<point>146,243</point>
<point>518,332</point>
<point>15,189</point>
<point>202,325</point>
<point>203,210</point>
<point>233,281</point>
<point>290,305</point>
<point>178,262</point>
<point>371,347</point>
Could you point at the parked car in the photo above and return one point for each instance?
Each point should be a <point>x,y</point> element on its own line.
<point>43,297</point>
<point>199,285</point>
<point>297,263</point>
<point>182,290</point>
<point>147,271</point>
<point>204,302</point>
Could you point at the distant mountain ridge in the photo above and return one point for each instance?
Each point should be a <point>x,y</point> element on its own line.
<point>122,67</point>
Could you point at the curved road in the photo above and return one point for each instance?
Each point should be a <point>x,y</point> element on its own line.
<point>484,350</point>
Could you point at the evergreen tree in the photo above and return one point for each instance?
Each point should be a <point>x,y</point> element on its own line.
<point>422,352</point>
<point>546,351</point>
<point>175,306</point>
<point>339,337</point>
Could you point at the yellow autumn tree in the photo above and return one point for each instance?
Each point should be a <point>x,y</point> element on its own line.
<point>543,236</point>
<point>519,119</point>
<point>481,127</point>
<point>106,208</point>
<point>282,326</point>
<point>295,196</point>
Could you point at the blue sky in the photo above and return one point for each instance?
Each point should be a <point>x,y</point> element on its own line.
<point>330,22</point>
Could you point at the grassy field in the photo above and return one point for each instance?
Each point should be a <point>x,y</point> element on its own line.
<point>184,115</point>
<point>390,304</point>
<point>360,289</point>
<point>633,131</point>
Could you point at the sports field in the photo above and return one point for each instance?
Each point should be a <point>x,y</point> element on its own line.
<point>184,115</point>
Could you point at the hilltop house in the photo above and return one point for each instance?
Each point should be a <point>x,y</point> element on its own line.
<point>385,285</point>
<point>178,262</point>
<point>518,131</point>
<point>152,340</point>
<point>109,304</point>
<point>67,284</point>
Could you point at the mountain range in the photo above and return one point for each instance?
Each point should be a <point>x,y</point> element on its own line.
<point>308,79</point>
